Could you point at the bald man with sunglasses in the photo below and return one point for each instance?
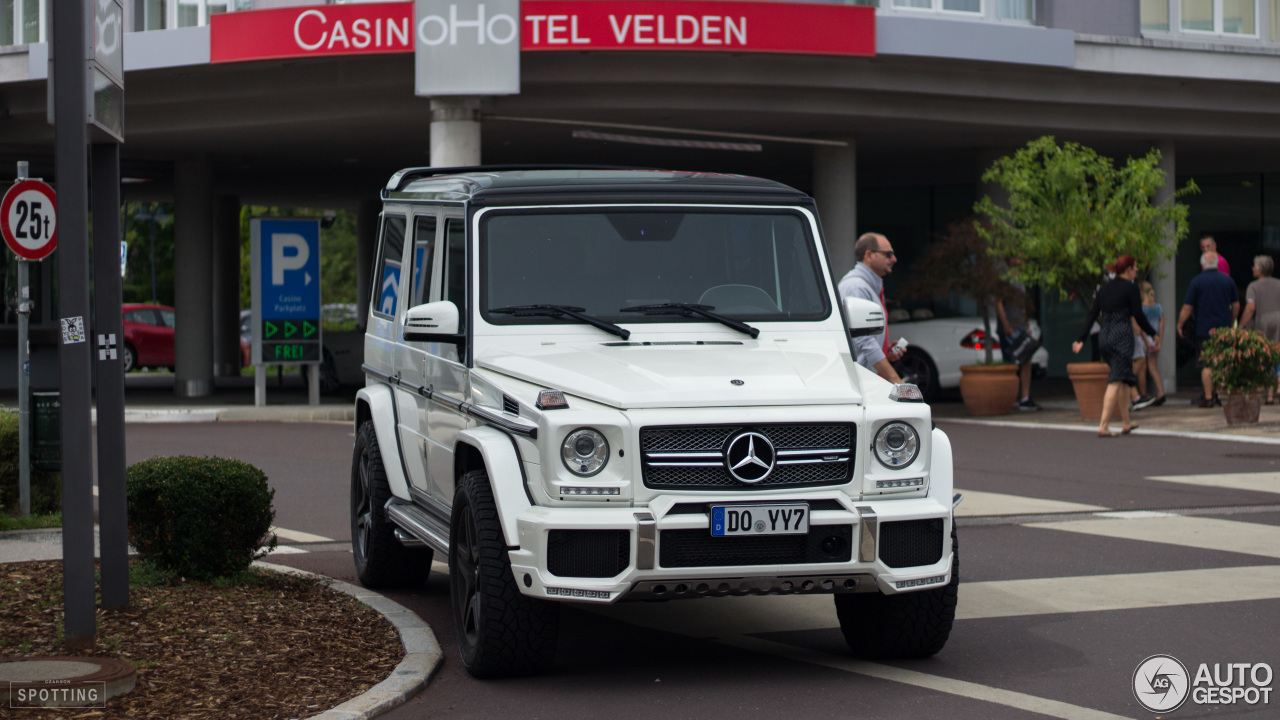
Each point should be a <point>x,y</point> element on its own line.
<point>866,280</point>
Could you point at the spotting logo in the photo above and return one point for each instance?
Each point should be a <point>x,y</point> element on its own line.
<point>1162,684</point>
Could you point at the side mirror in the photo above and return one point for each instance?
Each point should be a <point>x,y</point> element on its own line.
<point>437,321</point>
<point>863,317</point>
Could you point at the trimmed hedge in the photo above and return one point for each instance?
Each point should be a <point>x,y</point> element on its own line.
<point>199,517</point>
<point>46,486</point>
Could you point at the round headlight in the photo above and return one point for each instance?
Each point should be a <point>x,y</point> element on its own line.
<point>584,452</point>
<point>897,445</point>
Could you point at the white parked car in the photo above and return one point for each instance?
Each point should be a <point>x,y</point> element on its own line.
<point>602,386</point>
<point>938,346</point>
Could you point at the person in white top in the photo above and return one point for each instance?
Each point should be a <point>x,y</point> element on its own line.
<point>866,280</point>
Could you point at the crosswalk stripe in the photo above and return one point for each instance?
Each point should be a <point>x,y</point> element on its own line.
<point>962,688</point>
<point>977,502</point>
<point>1129,591</point>
<point>1268,482</point>
<point>287,550</point>
<point>298,536</point>
<point>1198,532</point>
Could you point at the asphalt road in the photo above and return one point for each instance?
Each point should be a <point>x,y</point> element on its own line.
<point>1077,566</point>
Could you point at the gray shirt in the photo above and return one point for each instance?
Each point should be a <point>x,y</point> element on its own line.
<point>861,282</point>
<point>1265,296</point>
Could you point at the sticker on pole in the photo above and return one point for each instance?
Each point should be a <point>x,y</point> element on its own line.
<point>29,219</point>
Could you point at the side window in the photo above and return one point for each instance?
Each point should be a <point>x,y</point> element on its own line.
<point>424,251</point>
<point>386,276</point>
<point>166,318</point>
<point>137,316</point>
<point>455,267</point>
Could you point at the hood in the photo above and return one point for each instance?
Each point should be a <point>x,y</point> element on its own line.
<point>685,374</point>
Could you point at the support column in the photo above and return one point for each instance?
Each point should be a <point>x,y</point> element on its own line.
<point>835,188</point>
<point>366,246</point>
<point>455,131</point>
<point>226,286</point>
<point>1165,282</point>
<point>192,279</point>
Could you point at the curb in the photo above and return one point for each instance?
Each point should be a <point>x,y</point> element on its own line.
<point>422,652</point>
<point>1153,432</point>
<point>239,413</point>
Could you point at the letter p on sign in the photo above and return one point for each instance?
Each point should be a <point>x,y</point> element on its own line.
<point>281,262</point>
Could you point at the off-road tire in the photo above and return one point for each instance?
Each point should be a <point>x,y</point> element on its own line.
<point>897,627</point>
<point>381,560</point>
<point>501,633</point>
<point>128,358</point>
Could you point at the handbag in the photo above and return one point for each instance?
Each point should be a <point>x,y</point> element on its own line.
<point>1022,346</point>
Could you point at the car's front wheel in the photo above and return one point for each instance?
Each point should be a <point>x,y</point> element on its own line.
<point>500,632</point>
<point>908,625</point>
<point>381,559</point>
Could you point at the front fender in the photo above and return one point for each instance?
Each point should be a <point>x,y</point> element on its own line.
<point>506,476</point>
<point>382,411</point>
<point>941,473</point>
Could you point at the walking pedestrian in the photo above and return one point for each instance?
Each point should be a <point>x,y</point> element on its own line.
<point>1262,306</point>
<point>1155,316</point>
<point>866,280</point>
<point>1213,297</point>
<point>1115,305</point>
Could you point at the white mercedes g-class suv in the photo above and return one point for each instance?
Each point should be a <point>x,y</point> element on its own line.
<point>603,385</point>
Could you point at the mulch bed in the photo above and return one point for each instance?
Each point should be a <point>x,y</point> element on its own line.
<point>278,646</point>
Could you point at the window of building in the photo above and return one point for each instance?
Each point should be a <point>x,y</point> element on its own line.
<point>23,22</point>
<point>1233,19</point>
<point>1016,10</point>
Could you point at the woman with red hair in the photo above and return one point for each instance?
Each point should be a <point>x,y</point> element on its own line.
<point>1116,304</point>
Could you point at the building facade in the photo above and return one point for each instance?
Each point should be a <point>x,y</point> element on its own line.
<point>887,114</point>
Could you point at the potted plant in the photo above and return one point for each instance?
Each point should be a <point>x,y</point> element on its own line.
<point>1070,213</point>
<point>1242,364</point>
<point>960,262</point>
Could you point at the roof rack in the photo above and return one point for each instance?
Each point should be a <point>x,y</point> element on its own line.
<point>404,177</point>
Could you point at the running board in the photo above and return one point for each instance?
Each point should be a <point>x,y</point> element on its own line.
<point>420,524</point>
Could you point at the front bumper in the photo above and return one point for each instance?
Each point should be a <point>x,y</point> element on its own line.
<point>884,538</point>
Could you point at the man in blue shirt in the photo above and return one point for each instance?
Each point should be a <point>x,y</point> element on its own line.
<point>1214,298</point>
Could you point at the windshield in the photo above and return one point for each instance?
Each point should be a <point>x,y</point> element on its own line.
<point>755,265</point>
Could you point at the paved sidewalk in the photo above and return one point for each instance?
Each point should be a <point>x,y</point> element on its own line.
<point>1179,416</point>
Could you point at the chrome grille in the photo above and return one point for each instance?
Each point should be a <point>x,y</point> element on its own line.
<point>693,457</point>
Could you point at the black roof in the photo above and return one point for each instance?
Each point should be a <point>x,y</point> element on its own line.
<point>504,185</point>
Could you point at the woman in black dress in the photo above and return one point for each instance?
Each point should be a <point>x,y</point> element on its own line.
<point>1116,303</point>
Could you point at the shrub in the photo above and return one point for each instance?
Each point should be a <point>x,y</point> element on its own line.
<point>199,517</point>
<point>46,486</point>
<point>1240,360</point>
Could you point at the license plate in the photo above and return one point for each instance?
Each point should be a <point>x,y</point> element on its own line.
<point>729,520</point>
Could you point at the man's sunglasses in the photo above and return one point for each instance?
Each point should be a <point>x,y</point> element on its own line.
<point>886,253</point>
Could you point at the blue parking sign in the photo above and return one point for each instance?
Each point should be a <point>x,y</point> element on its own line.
<point>286,290</point>
<point>389,290</point>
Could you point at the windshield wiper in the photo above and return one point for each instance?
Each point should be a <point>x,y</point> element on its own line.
<point>562,311</point>
<point>692,309</point>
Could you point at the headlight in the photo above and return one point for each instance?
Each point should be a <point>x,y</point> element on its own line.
<point>897,445</point>
<point>584,452</point>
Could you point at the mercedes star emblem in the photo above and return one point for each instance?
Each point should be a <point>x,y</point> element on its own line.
<point>749,457</point>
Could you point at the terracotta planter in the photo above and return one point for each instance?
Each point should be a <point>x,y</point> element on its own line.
<point>1089,379</point>
<point>989,389</point>
<point>1242,409</point>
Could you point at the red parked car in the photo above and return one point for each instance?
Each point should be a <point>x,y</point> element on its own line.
<point>148,337</point>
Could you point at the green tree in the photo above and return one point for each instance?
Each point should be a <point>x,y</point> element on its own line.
<point>960,263</point>
<point>146,223</point>
<point>1071,212</point>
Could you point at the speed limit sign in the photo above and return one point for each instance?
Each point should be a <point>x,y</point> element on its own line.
<point>29,219</point>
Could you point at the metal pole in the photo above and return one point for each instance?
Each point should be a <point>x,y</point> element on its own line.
<point>24,377</point>
<point>154,296</point>
<point>108,327</point>
<point>71,139</point>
